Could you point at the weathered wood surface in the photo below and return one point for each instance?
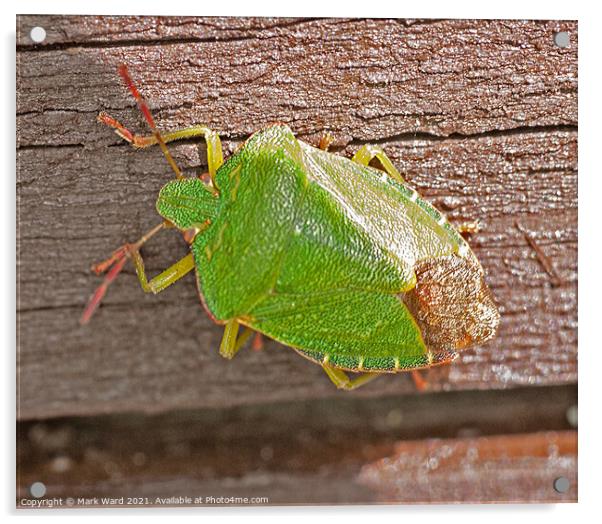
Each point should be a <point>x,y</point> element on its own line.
<point>316,452</point>
<point>480,116</point>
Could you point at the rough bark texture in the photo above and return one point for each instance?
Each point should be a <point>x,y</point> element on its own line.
<point>480,116</point>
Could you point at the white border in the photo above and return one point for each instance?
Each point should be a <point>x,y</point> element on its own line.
<point>590,261</point>
<point>334,8</point>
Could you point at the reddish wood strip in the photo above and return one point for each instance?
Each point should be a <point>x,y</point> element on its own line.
<point>345,450</point>
<point>516,468</point>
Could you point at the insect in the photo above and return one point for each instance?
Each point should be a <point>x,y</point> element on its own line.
<point>341,261</point>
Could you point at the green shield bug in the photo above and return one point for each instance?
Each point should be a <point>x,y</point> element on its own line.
<point>341,261</point>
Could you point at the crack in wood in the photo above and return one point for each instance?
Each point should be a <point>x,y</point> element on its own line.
<point>102,44</point>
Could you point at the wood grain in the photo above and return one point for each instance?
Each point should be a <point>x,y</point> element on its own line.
<point>480,116</point>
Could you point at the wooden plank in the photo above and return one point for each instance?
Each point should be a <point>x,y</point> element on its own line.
<point>81,193</point>
<point>517,468</point>
<point>118,30</point>
<point>310,452</point>
<point>360,79</point>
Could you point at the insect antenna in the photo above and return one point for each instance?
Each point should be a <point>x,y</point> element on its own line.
<point>114,264</point>
<point>123,71</point>
<point>102,289</point>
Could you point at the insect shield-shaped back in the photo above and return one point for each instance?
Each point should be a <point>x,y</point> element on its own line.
<point>452,304</point>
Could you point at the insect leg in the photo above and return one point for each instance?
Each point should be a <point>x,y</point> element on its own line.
<point>366,153</point>
<point>215,157</point>
<point>419,381</point>
<point>166,278</point>
<point>342,381</point>
<point>469,228</point>
<point>114,264</point>
<point>325,141</point>
<point>257,341</point>
<point>231,342</point>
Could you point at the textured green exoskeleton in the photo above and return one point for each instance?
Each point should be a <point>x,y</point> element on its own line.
<point>341,261</point>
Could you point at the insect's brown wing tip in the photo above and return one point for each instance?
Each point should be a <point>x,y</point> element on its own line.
<point>452,304</point>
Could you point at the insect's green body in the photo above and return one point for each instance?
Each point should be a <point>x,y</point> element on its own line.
<point>339,260</point>
<point>321,253</point>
